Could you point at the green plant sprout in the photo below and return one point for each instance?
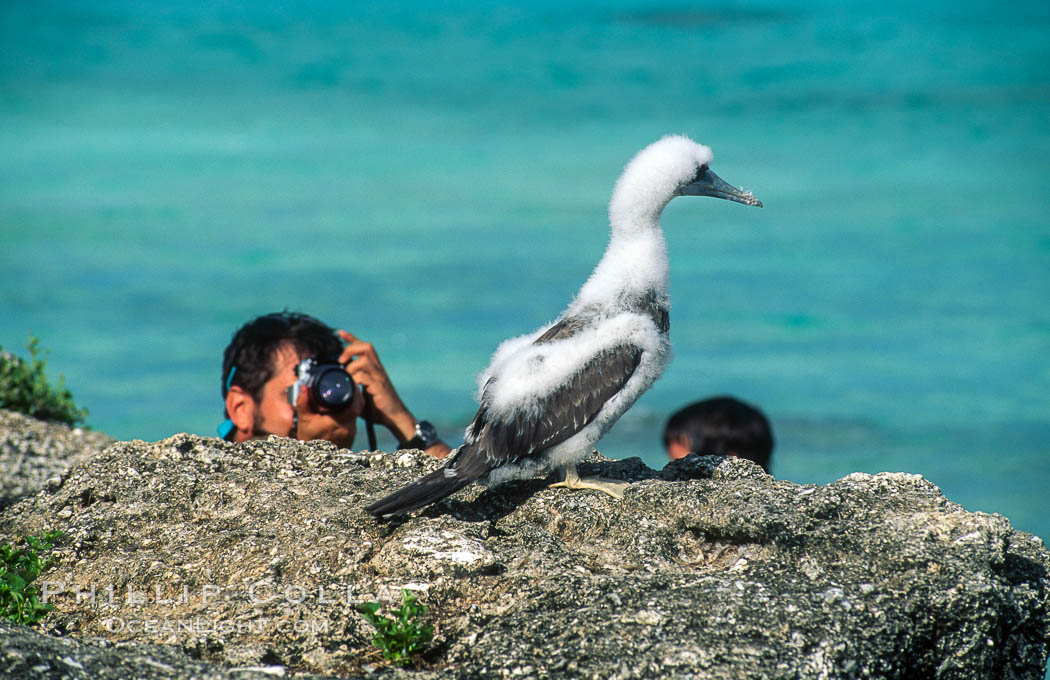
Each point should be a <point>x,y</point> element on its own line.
<point>19,567</point>
<point>402,636</point>
<point>24,388</point>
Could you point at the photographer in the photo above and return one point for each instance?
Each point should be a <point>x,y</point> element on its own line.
<point>269,387</point>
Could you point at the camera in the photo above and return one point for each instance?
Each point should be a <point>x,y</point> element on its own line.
<point>326,381</point>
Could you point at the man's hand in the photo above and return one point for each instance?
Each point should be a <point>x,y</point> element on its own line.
<point>383,405</point>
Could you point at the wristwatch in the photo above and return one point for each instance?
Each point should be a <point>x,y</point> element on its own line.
<point>426,436</point>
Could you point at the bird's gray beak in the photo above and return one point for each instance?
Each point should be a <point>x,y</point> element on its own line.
<point>713,185</point>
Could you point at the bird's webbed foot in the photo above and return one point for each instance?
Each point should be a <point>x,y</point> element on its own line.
<point>574,481</point>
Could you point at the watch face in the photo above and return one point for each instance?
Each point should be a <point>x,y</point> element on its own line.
<point>427,431</point>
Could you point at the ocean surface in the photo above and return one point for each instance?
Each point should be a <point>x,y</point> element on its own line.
<point>433,176</point>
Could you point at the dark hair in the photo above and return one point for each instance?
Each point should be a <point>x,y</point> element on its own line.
<point>251,351</point>
<point>722,426</point>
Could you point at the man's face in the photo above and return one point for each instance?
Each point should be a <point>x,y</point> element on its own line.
<point>679,447</point>
<point>274,415</point>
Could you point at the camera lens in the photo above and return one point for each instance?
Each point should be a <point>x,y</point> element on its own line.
<point>333,388</point>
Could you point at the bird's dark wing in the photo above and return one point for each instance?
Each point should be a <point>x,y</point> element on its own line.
<point>492,441</point>
<point>565,328</point>
<point>568,409</point>
<point>649,305</point>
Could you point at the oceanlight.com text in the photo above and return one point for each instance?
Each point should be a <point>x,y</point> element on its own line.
<point>204,626</point>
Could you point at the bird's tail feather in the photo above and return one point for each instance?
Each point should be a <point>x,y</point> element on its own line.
<point>423,491</point>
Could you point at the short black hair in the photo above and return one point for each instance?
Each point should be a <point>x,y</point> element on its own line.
<point>251,351</point>
<point>721,426</point>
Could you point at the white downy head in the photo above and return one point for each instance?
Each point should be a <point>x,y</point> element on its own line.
<point>651,179</point>
<point>636,258</point>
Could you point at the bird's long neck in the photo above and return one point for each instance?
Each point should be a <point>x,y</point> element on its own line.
<point>634,266</point>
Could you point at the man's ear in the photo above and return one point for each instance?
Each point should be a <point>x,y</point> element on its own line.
<point>241,408</point>
<point>680,446</point>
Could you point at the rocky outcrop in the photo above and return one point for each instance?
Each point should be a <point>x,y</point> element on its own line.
<point>26,654</point>
<point>33,452</point>
<point>256,554</point>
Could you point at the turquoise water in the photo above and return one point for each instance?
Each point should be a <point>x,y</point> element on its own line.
<point>433,177</point>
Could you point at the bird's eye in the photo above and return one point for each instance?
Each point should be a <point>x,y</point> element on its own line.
<point>700,173</point>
